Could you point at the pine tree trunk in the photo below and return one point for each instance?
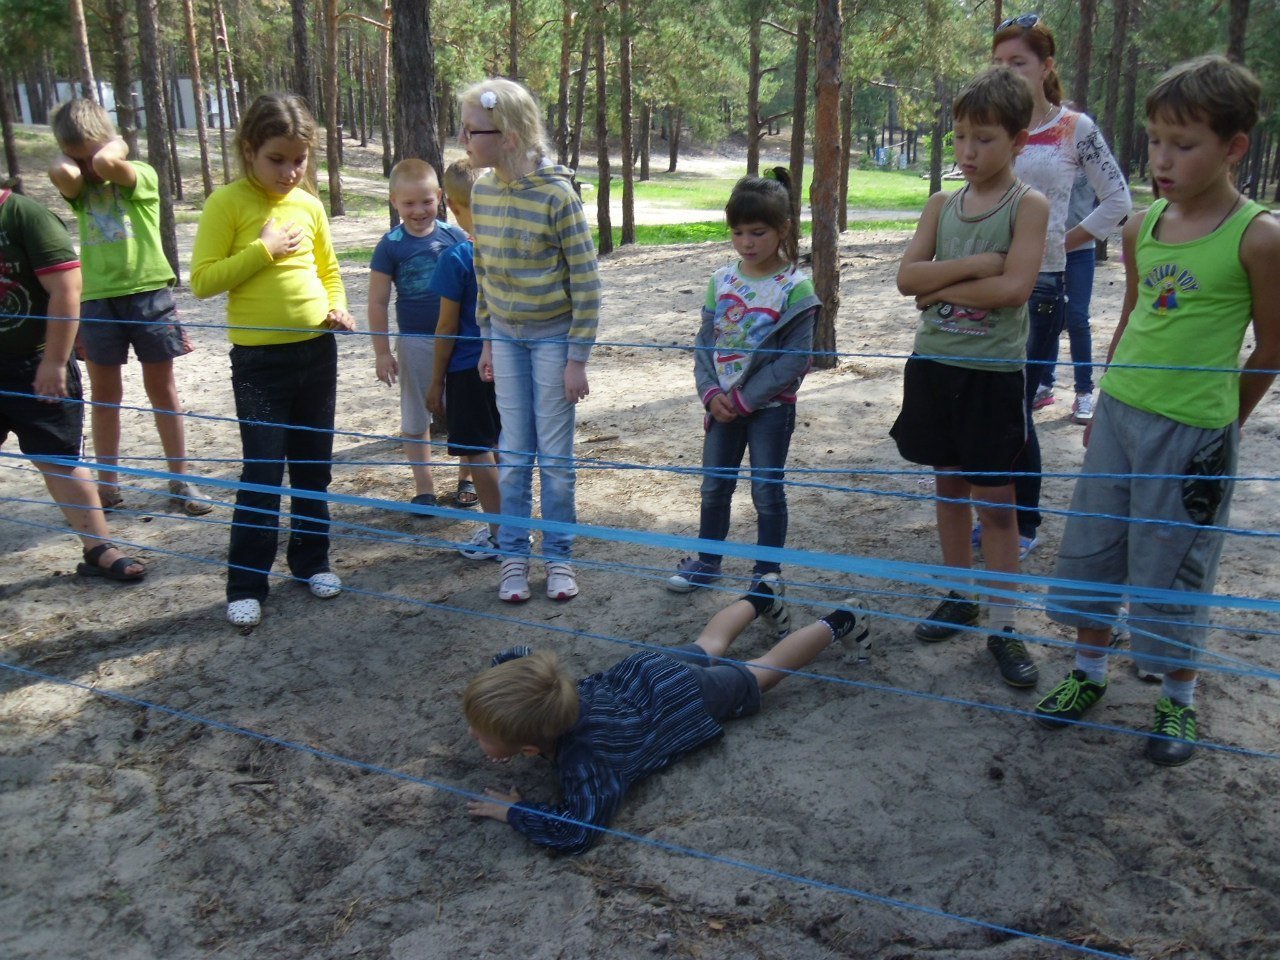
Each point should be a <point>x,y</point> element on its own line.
<point>80,30</point>
<point>566,62</point>
<point>646,125</point>
<point>673,138</point>
<point>333,128</point>
<point>826,181</point>
<point>753,96</point>
<point>384,90</point>
<point>580,99</point>
<point>799,112</point>
<point>627,105</point>
<point>14,178</point>
<point>168,83</point>
<point>603,220</point>
<point>1115,66</point>
<point>1125,131</point>
<point>1084,56</point>
<point>513,45</point>
<point>414,64</point>
<point>1237,24</point>
<point>221,38</point>
<point>197,94</point>
<point>122,72</point>
<point>846,151</point>
<point>303,67</point>
<point>157,125</point>
<point>220,94</point>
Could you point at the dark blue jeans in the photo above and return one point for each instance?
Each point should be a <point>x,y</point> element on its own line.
<point>1079,281</point>
<point>767,435</point>
<point>1047,308</point>
<point>280,390</point>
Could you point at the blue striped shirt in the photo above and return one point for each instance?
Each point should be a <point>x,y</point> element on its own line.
<point>634,719</point>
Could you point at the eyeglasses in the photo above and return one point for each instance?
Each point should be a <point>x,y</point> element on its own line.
<point>467,134</point>
<point>1027,21</point>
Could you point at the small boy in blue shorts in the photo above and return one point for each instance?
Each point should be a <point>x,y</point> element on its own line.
<point>610,730</point>
<point>457,393</point>
<point>1200,267</point>
<point>406,258</point>
<point>127,298</point>
<point>971,266</point>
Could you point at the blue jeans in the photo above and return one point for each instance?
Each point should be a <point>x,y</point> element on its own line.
<point>537,424</point>
<point>1047,309</point>
<point>278,388</point>
<point>767,434</point>
<point>1080,267</point>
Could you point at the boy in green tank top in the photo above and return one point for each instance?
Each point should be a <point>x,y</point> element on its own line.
<point>971,266</point>
<point>1200,266</point>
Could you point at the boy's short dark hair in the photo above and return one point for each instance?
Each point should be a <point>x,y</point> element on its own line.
<point>459,177</point>
<point>1213,89</point>
<point>81,121</point>
<point>529,700</point>
<point>997,95</point>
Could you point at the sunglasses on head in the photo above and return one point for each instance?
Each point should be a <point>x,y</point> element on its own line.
<point>1027,21</point>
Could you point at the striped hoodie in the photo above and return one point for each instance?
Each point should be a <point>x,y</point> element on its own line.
<point>535,260</point>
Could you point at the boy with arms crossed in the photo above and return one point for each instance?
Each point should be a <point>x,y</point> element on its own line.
<point>971,266</point>
<point>1199,267</point>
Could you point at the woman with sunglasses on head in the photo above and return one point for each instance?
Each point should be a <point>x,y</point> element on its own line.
<point>1063,144</point>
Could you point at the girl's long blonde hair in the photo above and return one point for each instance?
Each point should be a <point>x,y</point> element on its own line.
<point>513,110</point>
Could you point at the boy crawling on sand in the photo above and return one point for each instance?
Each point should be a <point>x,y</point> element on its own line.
<point>614,728</point>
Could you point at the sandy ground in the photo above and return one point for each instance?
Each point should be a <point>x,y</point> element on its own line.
<point>172,787</point>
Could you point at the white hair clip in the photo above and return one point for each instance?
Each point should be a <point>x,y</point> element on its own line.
<point>488,99</point>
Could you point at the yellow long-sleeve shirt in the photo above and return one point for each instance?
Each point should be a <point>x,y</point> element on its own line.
<point>295,292</point>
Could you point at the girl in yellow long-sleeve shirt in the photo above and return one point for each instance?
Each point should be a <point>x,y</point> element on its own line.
<point>264,240</point>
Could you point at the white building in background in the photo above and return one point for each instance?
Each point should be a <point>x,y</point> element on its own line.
<point>186,116</point>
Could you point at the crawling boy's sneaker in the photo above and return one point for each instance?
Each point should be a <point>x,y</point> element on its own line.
<point>850,625</point>
<point>768,595</point>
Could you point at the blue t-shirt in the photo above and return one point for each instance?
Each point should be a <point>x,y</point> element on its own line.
<point>410,262</point>
<point>455,279</point>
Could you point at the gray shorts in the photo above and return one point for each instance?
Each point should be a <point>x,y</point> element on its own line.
<point>1171,550</point>
<point>729,690</point>
<point>416,356</point>
<point>145,321</point>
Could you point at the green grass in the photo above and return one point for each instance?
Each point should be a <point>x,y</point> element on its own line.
<point>868,189</point>
<point>715,231</point>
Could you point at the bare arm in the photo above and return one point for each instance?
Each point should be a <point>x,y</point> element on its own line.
<point>1131,231</point>
<point>920,274</point>
<point>379,304</point>
<point>446,331</point>
<point>66,176</point>
<point>1260,254</point>
<point>111,163</point>
<point>1013,285</point>
<point>63,287</point>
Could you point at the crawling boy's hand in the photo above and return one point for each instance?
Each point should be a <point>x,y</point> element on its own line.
<point>494,810</point>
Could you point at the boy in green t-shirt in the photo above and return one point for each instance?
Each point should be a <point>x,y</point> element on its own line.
<point>126,299</point>
<point>1148,511</point>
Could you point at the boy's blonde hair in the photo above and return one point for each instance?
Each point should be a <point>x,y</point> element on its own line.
<point>459,177</point>
<point>529,700</point>
<point>997,95</point>
<point>512,109</point>
<point>412,170</point>
<point>1223,94</point>
<point>274,115</point>
<point>81,121</point>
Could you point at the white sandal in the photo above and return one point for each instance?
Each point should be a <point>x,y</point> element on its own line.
<point>325,585</point>
<point>186,496</point>
<point>244,613</point>
<point>514,585</point>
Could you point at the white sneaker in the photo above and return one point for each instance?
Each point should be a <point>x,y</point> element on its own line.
<point>1082,409</point>
<point>514,585</point>
<point>857,642</point>
<point>562,584</point>
<point>481,546</point>
<point>1043,398</point>
<point>325,585</point>
<point>244,613</point>
<point>778,614</point>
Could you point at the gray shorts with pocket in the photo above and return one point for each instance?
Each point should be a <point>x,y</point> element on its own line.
<point>1145,531</point>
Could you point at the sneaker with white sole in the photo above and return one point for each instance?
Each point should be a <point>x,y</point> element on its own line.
<point>562,583</point>
<point>692,573</point>
<point>244,613</point>
<point>1043,398</point>
<point>777,614</point>
<point>325,585</point>
<point>857,639</point>
<point>514,585</point>
<point>1082,408</point>
<point>481,546</point>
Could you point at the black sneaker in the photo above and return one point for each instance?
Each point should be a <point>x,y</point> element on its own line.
<point>948,617</point>
<point>1069,700</point>
<point>1016,666</point>
<point>1174,742</point>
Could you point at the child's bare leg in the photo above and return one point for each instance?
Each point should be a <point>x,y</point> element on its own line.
<point>107,392</point>
<point>162,391</point>
<point>484,474</point>
<point>794,652</point>
<point>77,497</point>
<point>955,520</point>
<point>725,626</point>
<point>417,451</point>
<point>1000,548</point>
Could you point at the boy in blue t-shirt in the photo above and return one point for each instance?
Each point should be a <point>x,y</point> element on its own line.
<point>457,391</point>
<point>406,257</point>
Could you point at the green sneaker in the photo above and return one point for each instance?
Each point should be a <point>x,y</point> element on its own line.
<point>1069,700</point>
<point>955,611</point>
<point>1174,734</point>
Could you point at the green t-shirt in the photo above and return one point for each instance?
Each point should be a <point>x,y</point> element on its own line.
<point>120,246</point>
<point>1194,307</point>
<point>995,339</point>
<point>32,242</point>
